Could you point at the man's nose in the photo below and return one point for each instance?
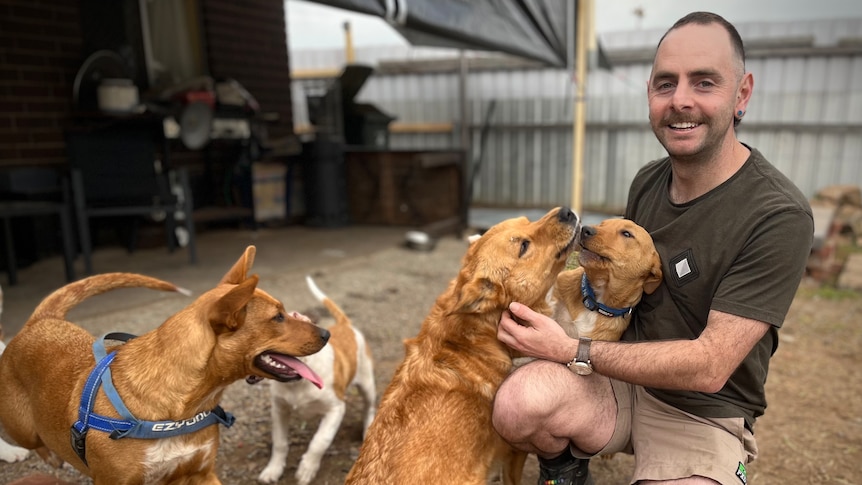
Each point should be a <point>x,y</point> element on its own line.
<point>682,97</point>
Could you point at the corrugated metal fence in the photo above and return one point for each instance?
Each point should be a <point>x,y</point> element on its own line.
<point>805,115</point>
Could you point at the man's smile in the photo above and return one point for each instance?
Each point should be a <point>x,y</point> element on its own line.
<point>689,125</point>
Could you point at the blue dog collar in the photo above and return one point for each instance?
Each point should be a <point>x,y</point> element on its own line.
<point>594,306</point>
<point>128,426</point>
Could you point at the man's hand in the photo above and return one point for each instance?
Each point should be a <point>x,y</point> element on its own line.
<point>535,335</point>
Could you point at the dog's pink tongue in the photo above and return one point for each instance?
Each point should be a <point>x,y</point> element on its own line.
<point>300,369</point>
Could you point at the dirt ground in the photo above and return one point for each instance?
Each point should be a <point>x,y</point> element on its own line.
<point>811,433</point>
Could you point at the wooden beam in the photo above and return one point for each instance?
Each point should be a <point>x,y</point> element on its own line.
<point>442,127</point>
<point>316,73</point>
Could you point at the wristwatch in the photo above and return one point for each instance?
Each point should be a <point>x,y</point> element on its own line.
<point>581,365</point>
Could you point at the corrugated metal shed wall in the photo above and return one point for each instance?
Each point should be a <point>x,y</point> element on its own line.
<point>805,115</point>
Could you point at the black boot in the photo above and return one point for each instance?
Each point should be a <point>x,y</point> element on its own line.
<point>565,470</point>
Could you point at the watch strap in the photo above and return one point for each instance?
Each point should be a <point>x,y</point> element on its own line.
<point>583,350</point>
<point>583,353</point>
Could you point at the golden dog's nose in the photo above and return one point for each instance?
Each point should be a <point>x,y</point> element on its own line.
<point>567,216</point>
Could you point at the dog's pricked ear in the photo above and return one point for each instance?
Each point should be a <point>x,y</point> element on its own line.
<point>228,312</point>
<point>654,278</point>
<point>478,296</point>
<point>240,269</point>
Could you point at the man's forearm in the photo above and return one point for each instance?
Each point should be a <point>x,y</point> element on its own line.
<point>670,364</point>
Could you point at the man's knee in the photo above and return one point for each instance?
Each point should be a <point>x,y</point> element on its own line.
<point>522,403</point>
<point>508,407</point>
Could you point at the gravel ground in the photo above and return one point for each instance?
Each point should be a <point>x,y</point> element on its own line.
<point>812,431</point>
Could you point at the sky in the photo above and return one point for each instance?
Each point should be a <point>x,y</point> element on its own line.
<point>315,26</point>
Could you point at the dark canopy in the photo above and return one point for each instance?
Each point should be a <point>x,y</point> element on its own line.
<point>542,30</point>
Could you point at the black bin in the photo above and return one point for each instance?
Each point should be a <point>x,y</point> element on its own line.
<point>367,126</point>
<point>325,184</point>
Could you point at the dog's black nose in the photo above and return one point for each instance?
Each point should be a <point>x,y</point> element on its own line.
<point>588,231</point>
<point>567,216</point>
<point>324,334</point>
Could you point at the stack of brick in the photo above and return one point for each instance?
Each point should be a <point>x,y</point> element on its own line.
<point>837,229</point>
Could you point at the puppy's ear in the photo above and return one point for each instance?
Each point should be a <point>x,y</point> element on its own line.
<point>228,312</point>
<point>478,296</point>
<point>240,269</point>
<point>654,278</point>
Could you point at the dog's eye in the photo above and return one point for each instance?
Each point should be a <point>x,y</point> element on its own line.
<point>278,318</point>
<point>525,245</point>
<point>627,234</point>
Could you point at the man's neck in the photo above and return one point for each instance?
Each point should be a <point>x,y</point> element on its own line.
<point>694,178</point>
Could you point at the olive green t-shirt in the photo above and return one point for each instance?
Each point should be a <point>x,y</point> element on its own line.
<point>739,249</point>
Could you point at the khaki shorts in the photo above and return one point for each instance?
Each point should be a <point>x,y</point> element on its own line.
<point>670,444</point>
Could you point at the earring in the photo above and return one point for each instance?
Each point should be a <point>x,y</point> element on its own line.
<point>740,113</point>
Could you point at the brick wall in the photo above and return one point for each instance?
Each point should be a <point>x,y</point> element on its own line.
<point>40,51</point>
<point>246,40</point>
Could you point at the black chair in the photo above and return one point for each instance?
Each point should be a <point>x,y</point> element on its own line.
<point>123,171</point>
<point>23,204</point>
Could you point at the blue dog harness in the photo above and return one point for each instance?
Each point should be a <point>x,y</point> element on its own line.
<point>128,426</point>
<point>594,306</point>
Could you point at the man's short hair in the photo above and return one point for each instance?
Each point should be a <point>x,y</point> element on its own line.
<point>706,18</point>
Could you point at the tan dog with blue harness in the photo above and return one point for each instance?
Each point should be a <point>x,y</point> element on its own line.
<point>146,411</point>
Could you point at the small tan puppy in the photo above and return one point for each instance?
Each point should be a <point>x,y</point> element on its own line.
<point>433,424</point>
<point>621,264</point>
<point>173,375</point>
<point>345,361</point>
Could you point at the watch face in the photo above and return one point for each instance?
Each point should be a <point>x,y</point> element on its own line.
<point>582,368</point>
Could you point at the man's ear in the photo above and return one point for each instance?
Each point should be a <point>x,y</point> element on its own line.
<point>746,87</point>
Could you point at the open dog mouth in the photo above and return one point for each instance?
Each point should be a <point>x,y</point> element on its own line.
<point>284,368</point>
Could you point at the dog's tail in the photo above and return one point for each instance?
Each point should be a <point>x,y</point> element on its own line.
<point>58,303</point>
<point>334,309</point>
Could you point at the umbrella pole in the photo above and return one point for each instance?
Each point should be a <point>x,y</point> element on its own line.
<point>579,125</point>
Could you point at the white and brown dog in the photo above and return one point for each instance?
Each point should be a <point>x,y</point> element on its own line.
<point>344,361</point>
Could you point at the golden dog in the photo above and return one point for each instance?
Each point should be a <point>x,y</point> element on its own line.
<point>175,373</point>
<point>433,423</point>
<point>621,264</point>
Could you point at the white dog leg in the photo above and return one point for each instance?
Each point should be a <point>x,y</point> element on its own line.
<point>365,382</point>
<point>329,425</point>
<point>280,412</point>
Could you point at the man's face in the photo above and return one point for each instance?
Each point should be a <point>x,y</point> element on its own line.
<point>694,90</point>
